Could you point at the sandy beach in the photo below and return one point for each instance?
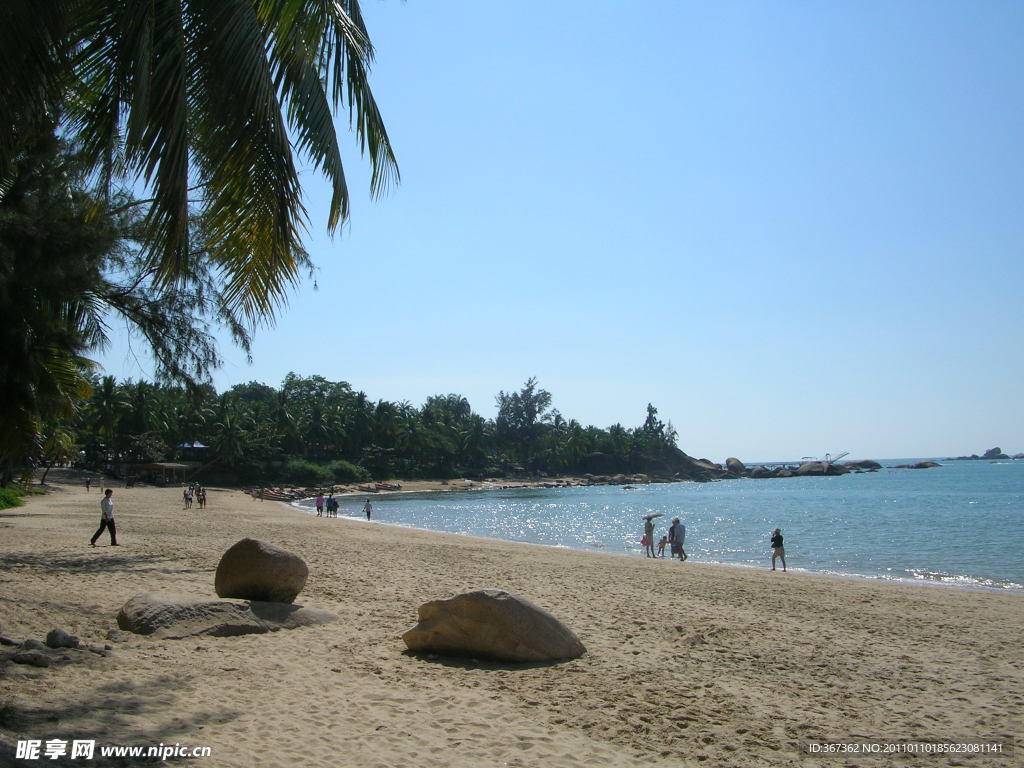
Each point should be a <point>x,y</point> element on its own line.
<point>686,664</point>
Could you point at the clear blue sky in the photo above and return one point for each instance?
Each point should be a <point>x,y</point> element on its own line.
<point>793,227</point>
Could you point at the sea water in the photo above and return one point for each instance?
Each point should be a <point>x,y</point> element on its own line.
<point>960,524</point>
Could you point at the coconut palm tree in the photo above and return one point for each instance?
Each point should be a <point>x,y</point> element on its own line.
<point>200,102</point>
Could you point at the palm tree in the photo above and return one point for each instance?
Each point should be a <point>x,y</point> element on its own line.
<point>107,408</point>
<point>232,433</point>
<point>200,101</point>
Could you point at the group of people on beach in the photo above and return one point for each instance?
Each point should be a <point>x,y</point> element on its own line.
<point>677,536</point>
<point>328,507</point>
<point>194,491</point>
<point>674,540</point>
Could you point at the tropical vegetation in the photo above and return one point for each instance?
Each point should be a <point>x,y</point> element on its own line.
<point>311,431</point>
<point>148,176</point>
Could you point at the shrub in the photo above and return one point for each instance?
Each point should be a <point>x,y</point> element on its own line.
<point>9,498</point>
<point>346,472</point>
<point>303,472</point>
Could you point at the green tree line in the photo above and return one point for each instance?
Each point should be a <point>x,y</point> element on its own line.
<point>314,431</point>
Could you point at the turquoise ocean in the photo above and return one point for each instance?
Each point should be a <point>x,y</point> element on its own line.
<point>958,525</point>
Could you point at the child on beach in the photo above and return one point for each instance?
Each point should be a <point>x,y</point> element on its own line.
<point>661,546</point>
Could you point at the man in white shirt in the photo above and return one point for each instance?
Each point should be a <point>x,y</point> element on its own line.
<point>106,518</point>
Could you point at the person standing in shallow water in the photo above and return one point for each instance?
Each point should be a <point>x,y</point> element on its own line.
<point>367,508</point>
<point>778,551</point>
<point>106,519</point>
<point>676,538</point>
<point>649,537</point>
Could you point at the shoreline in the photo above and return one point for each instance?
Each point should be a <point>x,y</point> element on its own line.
<point>453,486</point>
<point>685,665</point>
<point>858,577</point>
<point>428,488</point>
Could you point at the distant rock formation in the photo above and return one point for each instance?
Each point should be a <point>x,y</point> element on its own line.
<point>820,469</point>
<point>493,624</point>
<point>678,466</point>
<point>992,454</point>
<point>867,464</point>
<point>672,466</point>
<point>735,466</point>
<point>919,465</point>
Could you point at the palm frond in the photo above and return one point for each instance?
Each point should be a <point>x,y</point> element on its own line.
<point>199,94</point>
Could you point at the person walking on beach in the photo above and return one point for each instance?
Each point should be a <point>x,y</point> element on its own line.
<point>88,484</point>
<point>676,538</point>
<point>320,506</point>
<point>201,498</point>
<point>778,551</point>
<point>106,519</point>
<point>649,537</point>
<point>367,508</point>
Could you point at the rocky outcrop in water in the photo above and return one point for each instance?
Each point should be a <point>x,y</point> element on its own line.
<point>672,466</point>
<point>865,464</point>
<point>992,454</point>
<point>734,468</point>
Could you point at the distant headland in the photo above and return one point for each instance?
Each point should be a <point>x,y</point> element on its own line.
<point>992,454</point>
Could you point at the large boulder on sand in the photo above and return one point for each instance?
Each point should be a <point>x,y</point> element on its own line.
<point>493,624</point>
<point>173,616</point>
<point>255,570</point>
